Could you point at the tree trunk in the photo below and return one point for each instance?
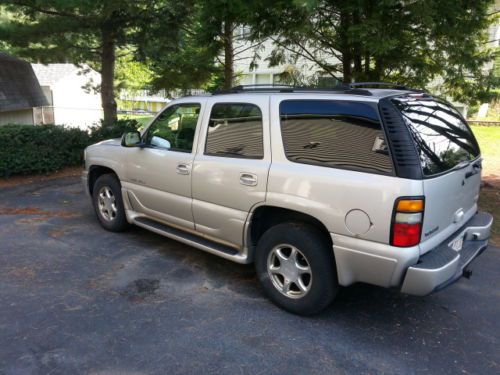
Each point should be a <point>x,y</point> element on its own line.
<point>358,68</point>
<point>108,59</point>
<point>346,67</point>
<point>345,46</point>
<point>357,50</point>
<point>368,16</point>
<point>228,55</point>
<point>377,71</point>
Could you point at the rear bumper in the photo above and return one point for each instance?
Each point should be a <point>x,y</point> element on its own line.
<point>442,265</point>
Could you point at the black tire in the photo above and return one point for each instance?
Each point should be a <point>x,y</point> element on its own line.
<point>318,254</point>
<point>117,222</point>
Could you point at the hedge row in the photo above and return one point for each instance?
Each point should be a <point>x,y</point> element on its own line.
<point>44,148</point>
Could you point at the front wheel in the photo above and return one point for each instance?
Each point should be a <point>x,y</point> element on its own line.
<point>296,267</point>
<point>108,203</point>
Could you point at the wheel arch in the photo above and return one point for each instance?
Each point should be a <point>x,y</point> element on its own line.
<point>265,216</point>
<point>95,171</point>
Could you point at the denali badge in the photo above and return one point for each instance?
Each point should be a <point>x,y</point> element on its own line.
<point>137,181</point>
<point>433,230</point>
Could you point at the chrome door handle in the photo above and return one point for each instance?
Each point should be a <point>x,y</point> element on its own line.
<point>182,168</point>
<point>248,179</point>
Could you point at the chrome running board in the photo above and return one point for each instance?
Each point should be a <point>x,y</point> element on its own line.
<point>201,243</point>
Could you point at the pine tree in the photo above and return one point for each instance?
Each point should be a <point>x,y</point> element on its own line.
<point>86,31</point>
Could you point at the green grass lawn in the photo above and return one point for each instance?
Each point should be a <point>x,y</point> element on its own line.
<point>489,201</point>
<point>489,141</point>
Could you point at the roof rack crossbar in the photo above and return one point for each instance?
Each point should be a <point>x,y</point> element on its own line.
<point>261,85</point>
<point>361,84</point>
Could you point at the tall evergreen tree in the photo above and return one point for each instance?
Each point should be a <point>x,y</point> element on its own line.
<point>210,45</point>
<point>87,31</point>
<point>411,42</point>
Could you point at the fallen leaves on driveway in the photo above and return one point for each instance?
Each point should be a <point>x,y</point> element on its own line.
<point>36,211</point>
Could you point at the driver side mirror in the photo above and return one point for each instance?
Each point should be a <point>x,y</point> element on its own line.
<point>131,139</point>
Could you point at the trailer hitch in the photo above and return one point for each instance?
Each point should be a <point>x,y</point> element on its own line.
<point>467,273</point>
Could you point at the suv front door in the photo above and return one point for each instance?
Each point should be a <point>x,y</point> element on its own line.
<point>231,167</point>
<point>158,175</point>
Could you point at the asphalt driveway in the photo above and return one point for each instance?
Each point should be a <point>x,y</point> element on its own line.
<point>75,299</point>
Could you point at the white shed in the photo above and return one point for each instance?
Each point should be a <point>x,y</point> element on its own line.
<point>71,102</point>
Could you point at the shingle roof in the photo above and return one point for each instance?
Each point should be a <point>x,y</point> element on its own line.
<point>49,74</point>
<point>19,88</point>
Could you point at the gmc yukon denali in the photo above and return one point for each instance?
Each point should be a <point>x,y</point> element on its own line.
<point>318,188</point>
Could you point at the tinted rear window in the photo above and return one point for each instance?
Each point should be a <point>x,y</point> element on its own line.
<point>339,134</point>
<point>441,135</point>
<point>235,130</point>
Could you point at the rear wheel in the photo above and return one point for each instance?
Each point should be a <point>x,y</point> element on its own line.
<point>296,267</point>
<point>108,203</point>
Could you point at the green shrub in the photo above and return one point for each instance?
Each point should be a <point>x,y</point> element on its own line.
<point>40,149</point>
<point>44,148</point>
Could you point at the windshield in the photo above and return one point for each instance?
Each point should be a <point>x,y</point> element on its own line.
<point>441,135</point>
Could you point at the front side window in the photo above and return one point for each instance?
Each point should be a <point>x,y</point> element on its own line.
<point>235,130</point>
<point>441,136</point>
<point>174,128</point>
<point>338,134</point>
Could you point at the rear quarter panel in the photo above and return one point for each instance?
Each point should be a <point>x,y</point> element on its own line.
<point>329,194</point>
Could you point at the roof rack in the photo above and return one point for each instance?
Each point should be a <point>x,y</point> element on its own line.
<point>394,86</point>
<point>354,88</point>
<point>344,89</point>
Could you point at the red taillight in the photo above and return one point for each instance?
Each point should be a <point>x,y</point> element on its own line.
<point>407,222</point>
<point>405,235</point>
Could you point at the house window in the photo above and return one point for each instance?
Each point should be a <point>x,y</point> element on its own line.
<point>245,79</point>
<point>263,79</point>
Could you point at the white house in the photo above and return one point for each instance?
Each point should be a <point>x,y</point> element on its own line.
<point>130,101</point>
<point>72,101</point>
<point>263,74</point>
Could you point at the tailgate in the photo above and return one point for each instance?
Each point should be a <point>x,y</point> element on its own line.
<point>450,200</point>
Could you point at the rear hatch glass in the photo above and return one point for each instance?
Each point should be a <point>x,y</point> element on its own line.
<point>447,150</point>
<point>442,137</point>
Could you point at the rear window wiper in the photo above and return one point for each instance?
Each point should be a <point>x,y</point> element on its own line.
<point>476,168</point>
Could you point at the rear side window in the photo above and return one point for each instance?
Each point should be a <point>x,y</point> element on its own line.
<point>235,130</point>
<point>442,137</point>
<point>338,134</point>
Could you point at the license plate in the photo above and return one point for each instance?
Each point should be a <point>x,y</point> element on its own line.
<point>457,243</point>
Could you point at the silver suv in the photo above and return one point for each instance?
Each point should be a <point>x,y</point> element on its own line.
<point>319,188</point>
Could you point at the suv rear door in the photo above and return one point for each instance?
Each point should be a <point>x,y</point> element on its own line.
<point>231,166</point>
<point>449,157</point>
